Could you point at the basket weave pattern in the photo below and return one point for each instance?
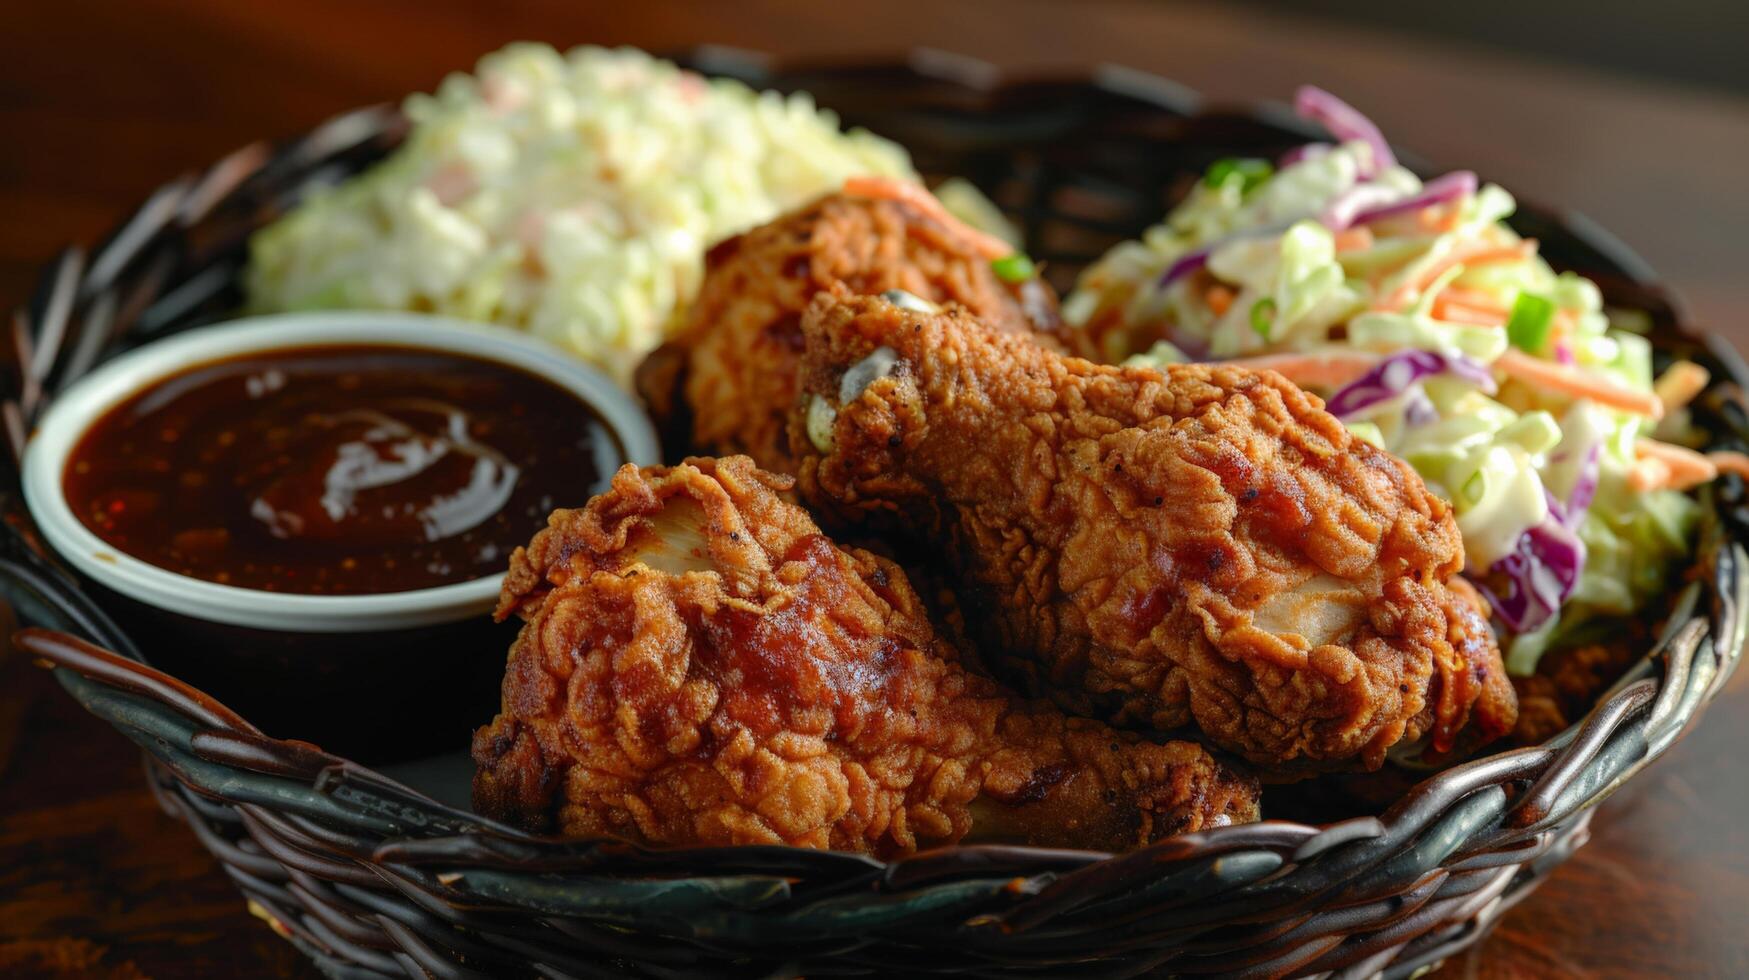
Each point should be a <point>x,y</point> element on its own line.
<point>372,879</point>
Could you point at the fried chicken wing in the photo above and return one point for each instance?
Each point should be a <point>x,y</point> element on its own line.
<point>1203,544</point>
<point>700,665</point>
<point>725,383</point>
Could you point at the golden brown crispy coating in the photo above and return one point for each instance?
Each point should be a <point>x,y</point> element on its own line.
<point>1203,544</point>
<point>726,382</point>
<point>1568,682</point>
<point>1475,671</point>
<point>700,665</point>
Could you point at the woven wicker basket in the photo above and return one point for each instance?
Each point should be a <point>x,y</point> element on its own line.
<point>370,878</point>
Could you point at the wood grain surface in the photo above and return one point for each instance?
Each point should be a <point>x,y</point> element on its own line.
<point>100,104</point>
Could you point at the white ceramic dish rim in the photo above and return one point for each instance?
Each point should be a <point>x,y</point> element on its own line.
<point>87,400</point>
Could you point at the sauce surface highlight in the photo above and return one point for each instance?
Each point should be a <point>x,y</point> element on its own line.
<point>337,470</point>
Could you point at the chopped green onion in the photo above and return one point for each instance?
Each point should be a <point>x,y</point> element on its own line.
<point>1250,172</point>
<point>1528,327</point>
<point>1015,267</point>
<point>1263,316</point>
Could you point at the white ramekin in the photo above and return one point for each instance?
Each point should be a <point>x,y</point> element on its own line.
<point>75,410</point>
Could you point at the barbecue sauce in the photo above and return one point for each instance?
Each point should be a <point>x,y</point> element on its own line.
<point>337,470</point>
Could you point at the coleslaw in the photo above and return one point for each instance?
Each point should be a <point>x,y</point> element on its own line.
<point>1436,332</point>
<point>570,195</point>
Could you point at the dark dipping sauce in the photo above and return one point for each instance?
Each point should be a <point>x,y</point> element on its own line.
<point>337,470</point>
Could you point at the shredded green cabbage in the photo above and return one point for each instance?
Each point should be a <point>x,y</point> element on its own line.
<point>1406,283</point>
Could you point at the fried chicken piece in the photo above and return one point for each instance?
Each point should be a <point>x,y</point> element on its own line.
<point>1567,683</point>
<point>1203,544</point>
<point>1477,649</point>
<point>700,665</point>
<point>726,382</point>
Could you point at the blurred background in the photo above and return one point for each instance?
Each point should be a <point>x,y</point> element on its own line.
<point>1697,42</point>
<point>1637,116</point>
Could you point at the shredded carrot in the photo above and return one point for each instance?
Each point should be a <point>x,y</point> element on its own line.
<point>1499,235</point>
<point>1219,298</point>
<point>1570,380</point>
<point>1482,255</point>
<point>1452,311</point>
<point>1648,474</point>
<point>1680,383</point>
<point>1330,369</point>
<point>1356,239</point>
<point>1729,461</point>
<point>1438,218</point>
<point>916,195</point>
<point>1477,299</point>
<point>1679,466</point>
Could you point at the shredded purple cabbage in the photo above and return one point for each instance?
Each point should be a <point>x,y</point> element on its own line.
<point>1585,487</point>
<point>1439,190</point>
<point>1397,373</point>
<point>1193,261</point>
<point>1544,567</point>
<point>1345,208</point>
<point>1572,510</point>
<point>1557,510</point>
<point>1345,123</point>
<point>1185,265</point>
<point>1540,574</point>
<point>1418,408</point>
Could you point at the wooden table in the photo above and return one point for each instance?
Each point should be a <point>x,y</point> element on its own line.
<point>100,106</point>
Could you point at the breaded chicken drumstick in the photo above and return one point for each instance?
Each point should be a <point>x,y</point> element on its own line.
<point>726,381</point>
<point>700,665</point>
<point>1203,544</point>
